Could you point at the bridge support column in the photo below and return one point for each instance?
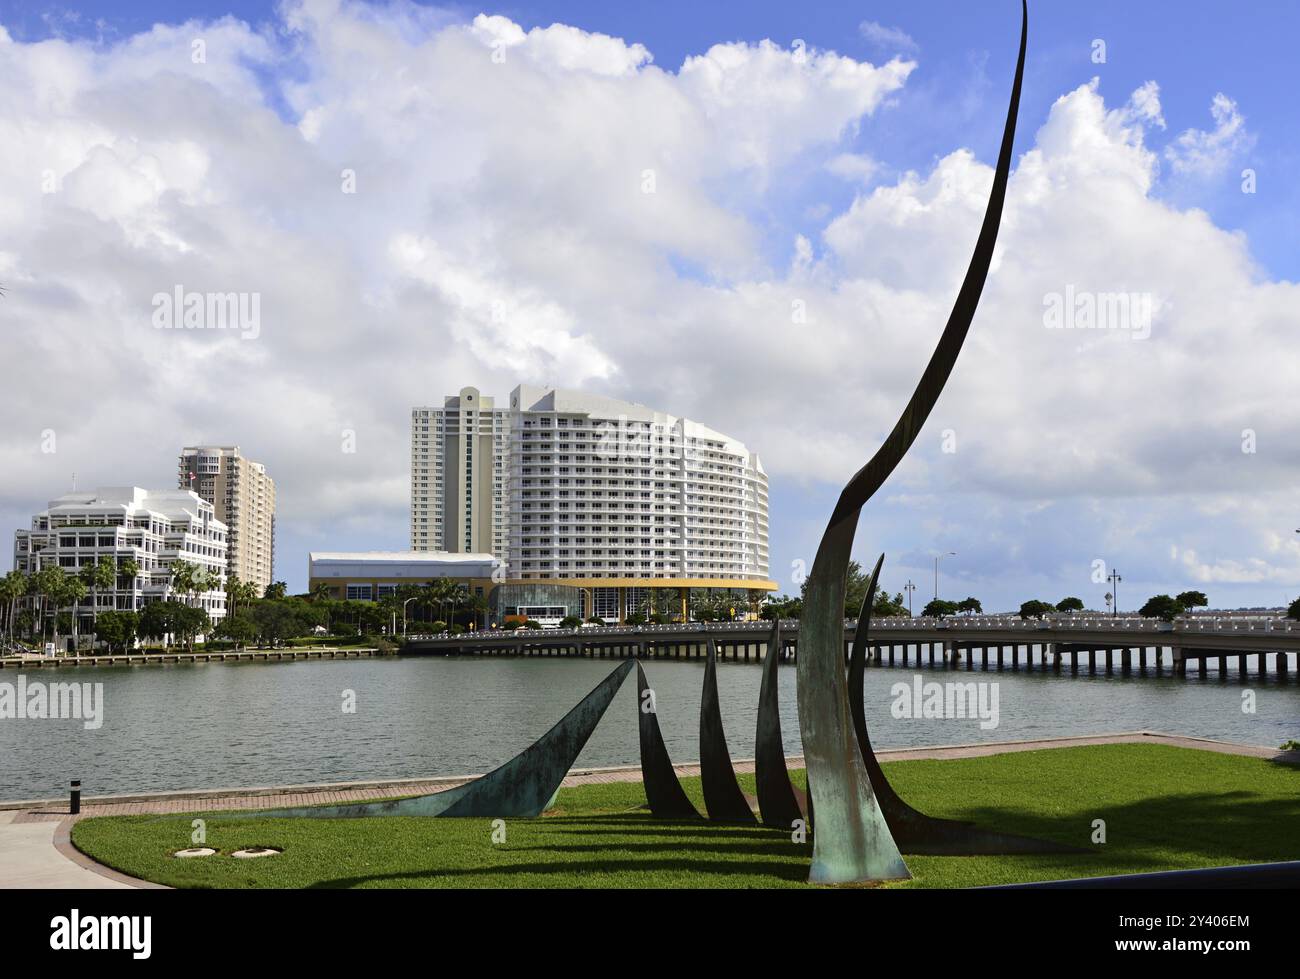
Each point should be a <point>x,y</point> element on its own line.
<point>1281,666</point>
<point>1001,649</point>
<point>1074,660</point>
<point>950,653</point>
<point>891,653</point>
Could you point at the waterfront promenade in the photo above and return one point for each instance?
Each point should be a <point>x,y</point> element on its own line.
<point>34,835</point>
<point>201,656</point>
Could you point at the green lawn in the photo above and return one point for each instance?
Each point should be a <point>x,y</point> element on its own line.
<point>1164,808</point>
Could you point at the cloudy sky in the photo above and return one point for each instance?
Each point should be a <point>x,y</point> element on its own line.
<point>755,217</point>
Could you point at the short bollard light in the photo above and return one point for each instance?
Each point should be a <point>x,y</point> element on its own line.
<point>74,803</point>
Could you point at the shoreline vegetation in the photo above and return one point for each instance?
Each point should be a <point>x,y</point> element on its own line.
<point>1133,807</point>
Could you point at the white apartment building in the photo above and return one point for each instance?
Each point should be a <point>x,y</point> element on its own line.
<point>244,497</point>
<point>459,456</point>
<point>602,501</point>
<point>153,527</point>
<point>601,488</point>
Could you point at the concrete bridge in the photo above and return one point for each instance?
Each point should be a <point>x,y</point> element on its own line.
<point>1090,642</point>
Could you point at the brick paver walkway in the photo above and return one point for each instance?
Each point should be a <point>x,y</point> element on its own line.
<point>342,793</point>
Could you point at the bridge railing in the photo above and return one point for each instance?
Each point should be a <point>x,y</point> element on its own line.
<point>1198,624</point>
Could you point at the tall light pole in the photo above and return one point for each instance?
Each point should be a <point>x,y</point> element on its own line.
<point>1114,578</point>
<point>909,588</point>
<point>404,604</point>
<point>936,571</point>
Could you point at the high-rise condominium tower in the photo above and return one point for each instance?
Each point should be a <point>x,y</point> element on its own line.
<point>599,496</point>
<point>459,457</point>
<point>606,489</point>
<point>244,498</point>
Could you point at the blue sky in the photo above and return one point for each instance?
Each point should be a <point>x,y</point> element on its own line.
<point>1127,453</point>
<point>1194,48</point>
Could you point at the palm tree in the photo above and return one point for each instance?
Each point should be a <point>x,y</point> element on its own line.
<point>129,569</point>
<point>435,596</point>
<point>234,594</point>
<point>321,595</point>
<point>57,590</point>
<point>74,591</point>
<point>43,586</point>
<point>477,603</point>
<point>99,575</point>
<point>184,578</point>
<point>13,586</point>
<point>210,579</point>
<point>457,596</point>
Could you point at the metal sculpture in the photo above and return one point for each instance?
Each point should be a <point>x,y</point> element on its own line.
<point>778,800</point>
<point>905,823</point>
<point>852,842</point>
<point>914,831</point>
<point>521,788</point>
<point>723,799</point>
<point>663,791</point>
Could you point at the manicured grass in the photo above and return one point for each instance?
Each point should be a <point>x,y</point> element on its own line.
<point>1164,809</point>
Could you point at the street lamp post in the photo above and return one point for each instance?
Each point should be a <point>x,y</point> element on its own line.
<point>404,604</point>
<point>936,571</point>
<point>1114,578</point>
<point>909,588</point>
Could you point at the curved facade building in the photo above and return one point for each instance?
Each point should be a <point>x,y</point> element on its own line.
<point>619,501</point>
<point>594,506</point>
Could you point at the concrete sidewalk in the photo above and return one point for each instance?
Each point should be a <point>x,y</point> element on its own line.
<point>29,858</point>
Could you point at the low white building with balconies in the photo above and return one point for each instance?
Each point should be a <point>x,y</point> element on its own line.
<point>152,527</point>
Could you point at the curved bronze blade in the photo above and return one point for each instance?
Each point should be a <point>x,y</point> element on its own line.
<point>852,842</point>
<point>723,799</point>
<point>521,788</point>
<point>778,803</point>
<point>662,789</point>
<point>914,831</point>
<point>894,808</point>
<point>904,821</point>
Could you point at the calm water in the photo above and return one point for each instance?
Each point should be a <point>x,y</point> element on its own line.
<point>245,724</point>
